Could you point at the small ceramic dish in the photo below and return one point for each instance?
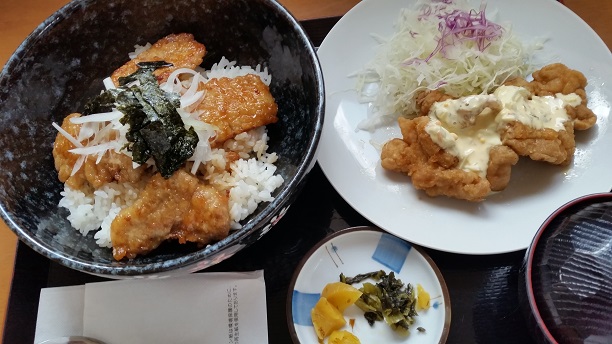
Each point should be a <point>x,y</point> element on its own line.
<point>359,250</point>
<point>565,284</point>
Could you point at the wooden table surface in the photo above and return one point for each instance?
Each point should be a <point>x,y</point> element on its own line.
<point>19,17</point>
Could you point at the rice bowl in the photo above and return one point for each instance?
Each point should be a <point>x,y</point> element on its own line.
<point>48,77</point>
<point>94,199</point>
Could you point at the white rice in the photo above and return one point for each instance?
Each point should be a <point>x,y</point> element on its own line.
<point>254,181</point>
<point>250,181</point>
<point>96,211</point>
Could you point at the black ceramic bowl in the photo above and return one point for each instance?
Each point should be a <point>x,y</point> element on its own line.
<point>565,284</point>
<point>62,64</point>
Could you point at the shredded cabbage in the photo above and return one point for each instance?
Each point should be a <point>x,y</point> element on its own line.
<point>439,45</point>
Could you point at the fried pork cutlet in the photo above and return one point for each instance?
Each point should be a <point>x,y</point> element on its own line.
<point>179,49</point>
<point>236,105</point>
<point>182,50</point>
<point>233,105</point>
<point>179,208</point>
<point>111,167</point>
<point>65,160</point>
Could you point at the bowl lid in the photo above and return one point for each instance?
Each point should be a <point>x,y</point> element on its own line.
<point>569,275</point>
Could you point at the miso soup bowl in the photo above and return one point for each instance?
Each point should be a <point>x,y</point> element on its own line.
<point>565,287</point>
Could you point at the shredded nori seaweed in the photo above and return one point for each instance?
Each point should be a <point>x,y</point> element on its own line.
<point>389,299</point>
<point>156,128</point>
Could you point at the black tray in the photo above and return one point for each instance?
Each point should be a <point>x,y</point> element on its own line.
<point>483,289</point>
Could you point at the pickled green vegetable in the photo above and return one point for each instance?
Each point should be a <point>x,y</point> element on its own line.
<point>389,299</point>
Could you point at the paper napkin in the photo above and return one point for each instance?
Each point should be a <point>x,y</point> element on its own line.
<point>197,308</point>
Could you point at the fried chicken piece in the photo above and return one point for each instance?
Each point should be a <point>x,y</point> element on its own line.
<point>555,147</point>
<point>400,156</point>
<point>182,50</point>
<point>425,99</point>
<point>501,160</point>
<point>179,208</point>
<point>414,132</point>
<point>236,105</point>
<point>112,167</point>
<point>558,78</point>
<point>582,117</point>
<point>435,171</point>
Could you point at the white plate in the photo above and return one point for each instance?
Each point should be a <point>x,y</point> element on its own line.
<point>504,222</point>
<point>359,250</point>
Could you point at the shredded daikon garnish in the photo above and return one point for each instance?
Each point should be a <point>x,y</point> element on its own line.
<point>94,149</point>
<point>108,83</point>
<point>443,45</point>
<point>138,49</point>
<point>67,135</point>
<point>205,131</point>
<point>186,82</point>
<point>229,68</point>
<point>97,117</point>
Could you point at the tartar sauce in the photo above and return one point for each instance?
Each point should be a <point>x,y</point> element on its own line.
<point>537,112</point>
<point>469,127</point>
